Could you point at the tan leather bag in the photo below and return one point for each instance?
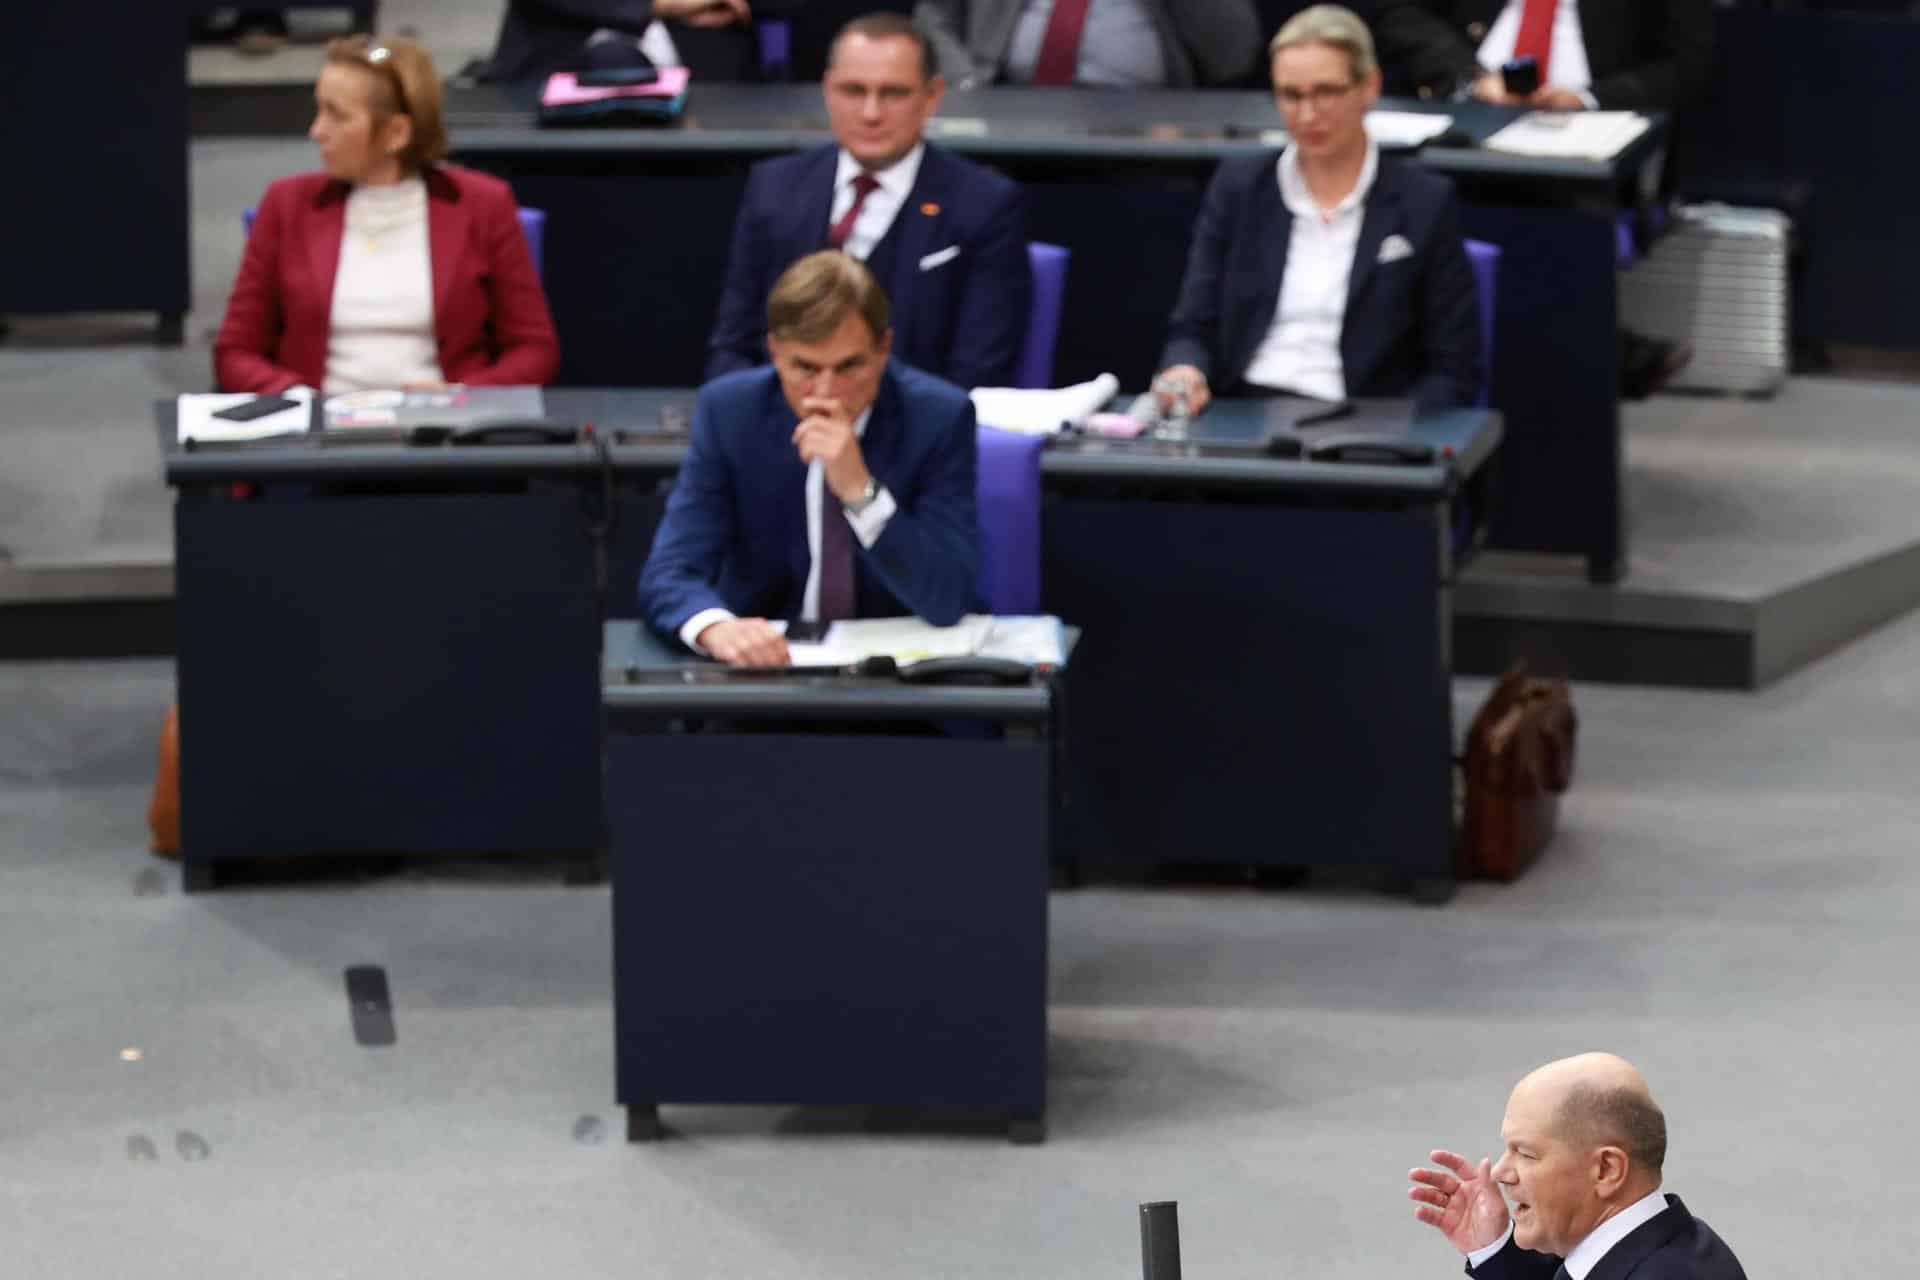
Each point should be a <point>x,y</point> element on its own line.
<point>1518,762</point>
<point>163,813</point>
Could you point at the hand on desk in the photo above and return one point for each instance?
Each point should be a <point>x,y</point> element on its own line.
<point>1491,86</point>
<point>1461,1200</point>
<point>1183,382</point>
<point>1556,97</point>
<point>745,642</point>
<point>703,13</point>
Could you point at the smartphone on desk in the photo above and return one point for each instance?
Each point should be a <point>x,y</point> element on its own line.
<point>255,409</point>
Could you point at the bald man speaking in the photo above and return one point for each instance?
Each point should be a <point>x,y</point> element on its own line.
<point>1584,1142</point>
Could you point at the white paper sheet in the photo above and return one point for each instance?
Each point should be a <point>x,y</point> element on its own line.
<point>196,420</point>
<point>1041,412</point>
<point>1570,135</point>
<point>902,639</point>
<point>1405,128</point>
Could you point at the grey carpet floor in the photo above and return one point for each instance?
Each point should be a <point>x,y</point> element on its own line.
<point>1732,903</point>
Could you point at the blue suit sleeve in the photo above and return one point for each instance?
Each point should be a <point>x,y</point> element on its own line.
<point>691,544</point>
<point>1193,332</point>
<point>990,322</point>
<point>739,339</point>
<point>1450,365</point>
<point>929,553</point>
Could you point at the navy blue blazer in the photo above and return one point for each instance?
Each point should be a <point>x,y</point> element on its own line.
<point>735,533</point>
<point>962,318</point>
<point>1671,1245</point>
<point>1412,326</point>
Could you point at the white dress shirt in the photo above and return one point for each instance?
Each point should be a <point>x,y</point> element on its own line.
<point>868,525</point>
<point>1301,351</point>
<point>380,331</point>
<point>1119,45</point>
<point>1566,59</point>
<point>1587,1254</point>
<point>884,202</point>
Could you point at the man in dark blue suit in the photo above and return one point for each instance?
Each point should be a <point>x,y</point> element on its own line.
<point>836,484</point>
<point>1327,270</point>
<point>946,238</point>
<point>1585,1144</point>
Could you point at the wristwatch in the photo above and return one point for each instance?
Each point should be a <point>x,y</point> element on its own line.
<point>868,496</point>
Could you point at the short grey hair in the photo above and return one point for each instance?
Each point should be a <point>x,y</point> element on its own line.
<point>1593,1116</point>
<point>1335,26</point>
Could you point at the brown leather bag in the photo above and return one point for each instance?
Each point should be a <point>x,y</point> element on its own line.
<point>1519,759</point>
<point>163,814</point>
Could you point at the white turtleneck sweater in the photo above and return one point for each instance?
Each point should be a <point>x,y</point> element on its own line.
<point>382,323</point>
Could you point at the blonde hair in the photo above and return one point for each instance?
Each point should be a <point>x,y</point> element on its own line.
<point>1336,27</point>
<point>408,86</point>
<point>814,296</point>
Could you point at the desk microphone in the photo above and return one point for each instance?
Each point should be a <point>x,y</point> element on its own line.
<point>1160,1240</point>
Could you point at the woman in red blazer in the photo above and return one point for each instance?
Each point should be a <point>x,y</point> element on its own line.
<point>390,268</point>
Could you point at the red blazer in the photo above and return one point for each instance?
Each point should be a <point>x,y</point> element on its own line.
<point>489,312</point>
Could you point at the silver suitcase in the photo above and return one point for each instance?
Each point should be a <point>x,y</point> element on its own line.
<point>1718,281</point>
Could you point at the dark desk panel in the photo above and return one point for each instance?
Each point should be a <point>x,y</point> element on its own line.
<point>641,219</point>
<point>339,611</point>
<point>96,219</point>
<point>824,910</point>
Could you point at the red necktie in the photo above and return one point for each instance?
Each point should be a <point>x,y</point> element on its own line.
<point>1060,50</point>
<point>864,185</point>
<point>1536,34</point>
<point>836,558</point>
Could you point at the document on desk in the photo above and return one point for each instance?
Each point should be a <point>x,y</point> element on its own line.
<point>454,406</point>
<point>1570,135</point>
<point>1032,640</point>
<point>1407,129</point>
<point>1042,412</point>
<point>194,420</point>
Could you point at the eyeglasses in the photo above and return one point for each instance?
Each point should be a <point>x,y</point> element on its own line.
<point>1321,96</point>
<point>379,58</point>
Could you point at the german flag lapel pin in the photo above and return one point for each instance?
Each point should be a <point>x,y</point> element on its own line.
<point>930,209</point>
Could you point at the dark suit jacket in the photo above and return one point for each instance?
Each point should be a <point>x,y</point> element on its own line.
<point>1671,1245</point>
<point>735,532</point>
<point>489,312</point>
<point>1412,326</point>
<point>1206,42</point>
<point>963,319</point>
<point>1645,55</point>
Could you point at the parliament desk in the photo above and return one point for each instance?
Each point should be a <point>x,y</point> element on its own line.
<point>385,649</point>
<point>1266,678</point>
<point>640,220</point>
<point>814,907</point>
<point>1265,682</point>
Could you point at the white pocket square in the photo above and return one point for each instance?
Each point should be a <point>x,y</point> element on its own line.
<point>1394,248</point>
<point>941,258</point>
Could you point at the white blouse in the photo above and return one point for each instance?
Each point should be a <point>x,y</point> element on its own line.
<point>381,334</point>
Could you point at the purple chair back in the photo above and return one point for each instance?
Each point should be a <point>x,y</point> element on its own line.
<point>1048,263</point>
<point>1007,495</point>
<point>775,38</point>
<point>1485,259</point>
<point>533,225</point>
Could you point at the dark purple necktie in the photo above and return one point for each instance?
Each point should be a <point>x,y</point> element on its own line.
<point>836,558</point>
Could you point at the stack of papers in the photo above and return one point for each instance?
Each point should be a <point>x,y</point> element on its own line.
<point>1032,640</point>
<point>1570,135</point>
<point>1042,413</point>
<point>566,101</point>
<point>195,421</point>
